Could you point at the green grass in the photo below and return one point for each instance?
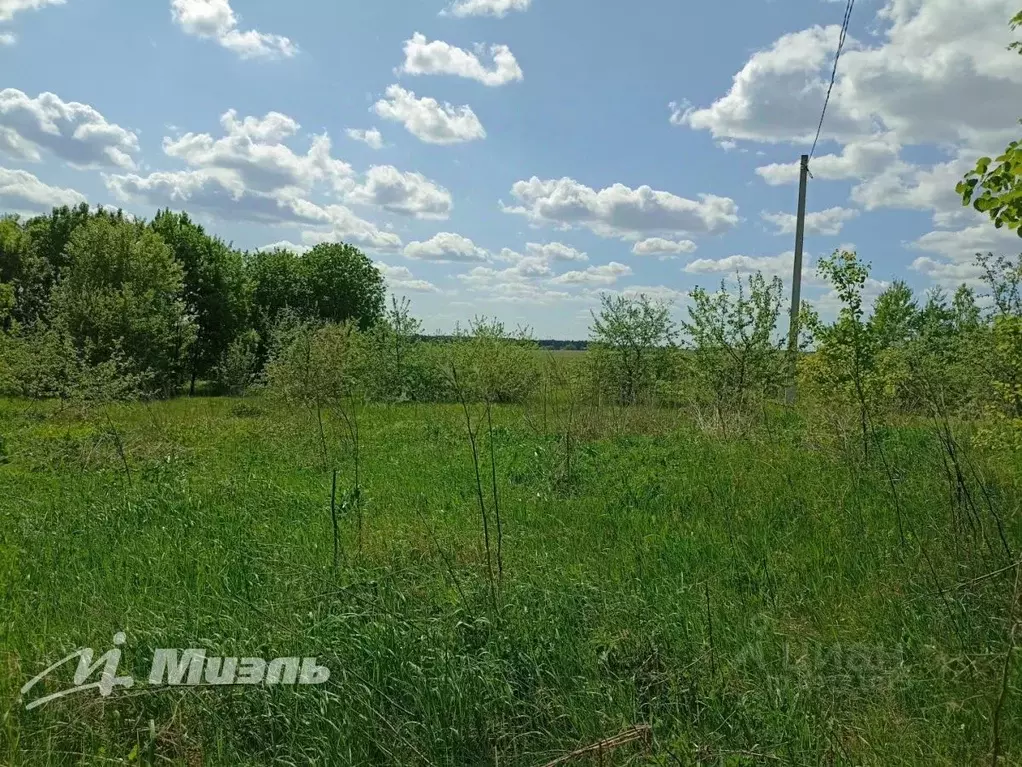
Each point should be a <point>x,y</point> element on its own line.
<point>749,599</point>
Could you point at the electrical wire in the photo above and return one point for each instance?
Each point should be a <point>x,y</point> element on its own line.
<point>833,74</point>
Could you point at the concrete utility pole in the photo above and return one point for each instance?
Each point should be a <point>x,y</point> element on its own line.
<point>796,276</point>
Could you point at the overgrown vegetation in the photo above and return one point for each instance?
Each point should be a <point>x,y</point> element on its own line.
<point>641,554</point>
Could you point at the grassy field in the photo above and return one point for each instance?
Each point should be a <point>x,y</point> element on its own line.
<point>777,599</point>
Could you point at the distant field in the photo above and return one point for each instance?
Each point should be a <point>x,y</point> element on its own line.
<point>749,601</point>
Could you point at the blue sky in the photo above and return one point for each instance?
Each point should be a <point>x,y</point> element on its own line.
<point>523,155</point>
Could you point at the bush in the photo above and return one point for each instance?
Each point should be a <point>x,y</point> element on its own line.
<point>487,364</point>
<point>238,366</point>
<point>45,363</point>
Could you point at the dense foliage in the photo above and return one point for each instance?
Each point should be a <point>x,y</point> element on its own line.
<point>164,302</point>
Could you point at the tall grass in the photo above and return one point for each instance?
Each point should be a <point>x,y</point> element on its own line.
<point>749,600</point>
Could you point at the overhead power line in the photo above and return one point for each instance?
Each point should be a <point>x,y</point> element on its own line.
<point>833,74</point>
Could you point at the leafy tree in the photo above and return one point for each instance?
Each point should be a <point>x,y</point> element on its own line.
<point>121,290</point>
<point>636,336</point>
<point>6,305</point>
<point>846,353</point>
<point>23,270</point>
<point>276,286</point>
<point>736,354</point>
<point>394,365</point>
<point>214,289</point>
<point>343,285</point>
<point>895,316</point>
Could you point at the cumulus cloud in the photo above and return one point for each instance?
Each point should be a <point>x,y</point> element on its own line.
<point>222,195</point>
<point>949,274</point>
<point>410,194</point>
<point>429,120</point>
<point>446,247</point>
<point>285,245</point>
<point>498,8</point>
<point>857,160</point>
<point>619,211</point>
<point>371,137</point>
<point>962,245</point>
<point>401,278</point>
<point>10,7</point>
<point>216,20</point>
<point>440,58</point>
<point>939,73</point>
<point>606,274</point>
<point>912,187</point>
<point>778,94</point>
<point>252,149</point>
<point>525,282</point>
<point>826,222</point>
<point>74,132</point>
<point>22,192</point>
<point>780,265</point>
<point>654,246</point>
<point>555,251</point>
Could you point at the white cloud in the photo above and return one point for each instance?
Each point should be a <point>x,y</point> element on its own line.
<point>401,278</point>
<point>339,224</point>
<point>253,157</point>
<point>660,246</point>
<point>253,151</point>
<point>216,20</point>
<point>780,265</point>
<point>521,283</point>
<point>446,247</point>
<point>606,274</point>
<point>6,38</point>
<point>619,211</point>
<point>949,274</point>
<point>285,245</point>
<point>912,187</point>
<point>555,251</point>
<point>962,245</point>
<point>939,73</point>
<point>371,137</point>
<point>826,222</point>
<point>22,192</point>
<point>778,94</point>
<point>439,58</point>
<point>410,194</point>
<point>73,132</point>
<point>498,8</point>
<point>429,120</point>
<point>857,160</point>
<point>222,195</point>
<point>10,7</point>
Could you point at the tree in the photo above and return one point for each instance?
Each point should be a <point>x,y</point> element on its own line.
<point>343,285</point>
<point>994,186</point>
<point>214,289</point>
<point>735,352</point>
<point>392,362</point>
<point>638,335</point>
<point>275,285</point>
<point>121,293</point>
<point>895,315</point>
<point>847,350</point>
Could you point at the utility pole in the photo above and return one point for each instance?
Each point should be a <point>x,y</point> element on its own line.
<point>796,277</point>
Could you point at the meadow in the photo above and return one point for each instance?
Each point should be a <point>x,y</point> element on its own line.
<point>774,597</point>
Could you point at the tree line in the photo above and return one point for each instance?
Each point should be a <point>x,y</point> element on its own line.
<point>159,302</point>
